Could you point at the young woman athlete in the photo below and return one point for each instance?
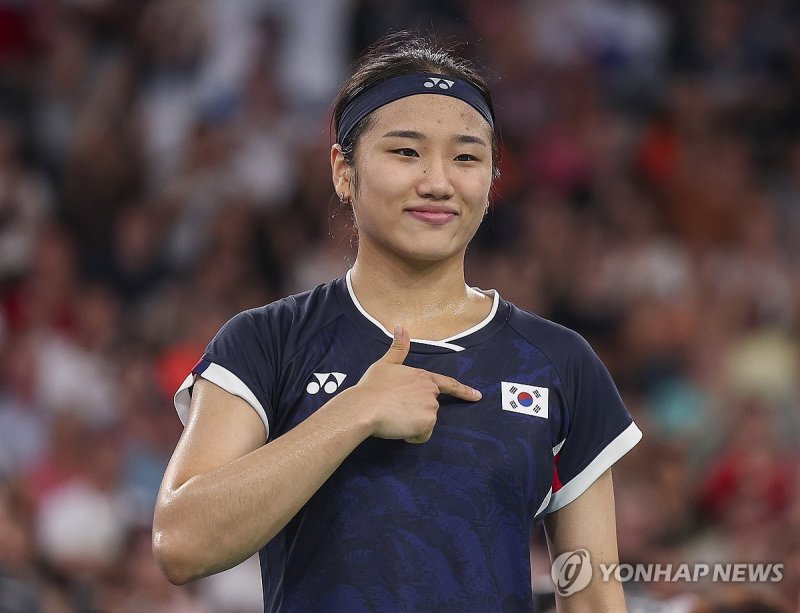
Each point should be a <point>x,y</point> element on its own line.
<point>387,441</point>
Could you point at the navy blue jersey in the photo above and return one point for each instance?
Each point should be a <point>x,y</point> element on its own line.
<point>441,526</point>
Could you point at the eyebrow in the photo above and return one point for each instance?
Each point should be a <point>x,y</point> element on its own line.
<point>460,138</point>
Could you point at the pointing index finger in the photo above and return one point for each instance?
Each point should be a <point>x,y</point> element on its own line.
<point>448,385</point>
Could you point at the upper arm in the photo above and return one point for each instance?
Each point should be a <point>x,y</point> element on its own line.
<point>221,428</point>
<point>589,523</point>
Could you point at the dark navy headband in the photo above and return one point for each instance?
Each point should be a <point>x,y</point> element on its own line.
<point>405,85</point>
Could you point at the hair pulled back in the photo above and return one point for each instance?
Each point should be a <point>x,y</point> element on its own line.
<point>397,54</point>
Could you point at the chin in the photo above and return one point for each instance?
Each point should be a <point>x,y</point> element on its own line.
<point>429,256</point>
<point>418,250</point>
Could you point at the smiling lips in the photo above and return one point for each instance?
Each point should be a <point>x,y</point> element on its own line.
<point>433,214</point>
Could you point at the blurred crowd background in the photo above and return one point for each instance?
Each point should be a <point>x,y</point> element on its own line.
<point>164,164</point>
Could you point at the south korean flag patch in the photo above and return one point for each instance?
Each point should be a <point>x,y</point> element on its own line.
<point>526,399</point>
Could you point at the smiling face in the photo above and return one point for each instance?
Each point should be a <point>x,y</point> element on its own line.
<point>424,171</point>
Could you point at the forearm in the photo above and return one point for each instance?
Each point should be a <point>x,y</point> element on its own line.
<point>215,520</point>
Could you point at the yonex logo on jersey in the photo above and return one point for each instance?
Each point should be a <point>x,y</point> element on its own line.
<point>526,399</point>
<point>329,382</point>
<point>442,83</point>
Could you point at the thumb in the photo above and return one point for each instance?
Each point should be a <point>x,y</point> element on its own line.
<point>400,346</point>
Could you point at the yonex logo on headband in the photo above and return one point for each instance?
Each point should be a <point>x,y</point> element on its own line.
<point>400,86</point>
<point>442,83</point>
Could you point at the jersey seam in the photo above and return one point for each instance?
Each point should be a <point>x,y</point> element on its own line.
<point>605,442</point>
<point>299,348</point>
<point>552,363</point>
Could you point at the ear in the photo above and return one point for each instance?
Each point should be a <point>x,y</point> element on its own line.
<point>341,173</point>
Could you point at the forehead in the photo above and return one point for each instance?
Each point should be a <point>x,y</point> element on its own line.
<point>435,112</point>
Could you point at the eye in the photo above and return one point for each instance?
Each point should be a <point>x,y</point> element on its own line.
<point>406,152</point>
<point>466,157</point>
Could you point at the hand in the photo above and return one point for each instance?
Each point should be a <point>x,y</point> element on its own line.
<point>404,399</point>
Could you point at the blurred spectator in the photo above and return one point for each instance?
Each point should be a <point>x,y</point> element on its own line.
<point>23,430</point>
<point>64,362</point>
<point>25,205</point>
<point>173,36</point>
<point>21,589</point>
<point>103,167</point>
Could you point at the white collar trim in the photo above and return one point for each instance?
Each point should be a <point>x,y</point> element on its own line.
<point>443,343</point>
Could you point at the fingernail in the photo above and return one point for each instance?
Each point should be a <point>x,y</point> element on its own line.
<point>398,331</point>
<point>476,393</point>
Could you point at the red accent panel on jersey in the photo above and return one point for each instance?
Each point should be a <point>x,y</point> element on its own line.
<point>557,485</point>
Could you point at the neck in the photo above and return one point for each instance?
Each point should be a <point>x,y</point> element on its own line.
<point>431,300</point>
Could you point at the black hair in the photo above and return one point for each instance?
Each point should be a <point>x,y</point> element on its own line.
<point>403,53</point>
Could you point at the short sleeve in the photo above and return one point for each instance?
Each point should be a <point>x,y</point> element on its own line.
<point>598,430</point>
<point>241,359</point>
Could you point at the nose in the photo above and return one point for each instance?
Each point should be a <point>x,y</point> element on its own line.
<point>435,181</point>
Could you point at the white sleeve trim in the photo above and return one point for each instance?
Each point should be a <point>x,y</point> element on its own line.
<point>227,381</point>
<point>617,448</point>
<point>544,504</point>
<point>183,398</point>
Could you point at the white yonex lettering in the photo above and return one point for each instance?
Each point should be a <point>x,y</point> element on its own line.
<point>442,83</point>
<point>326,381</point>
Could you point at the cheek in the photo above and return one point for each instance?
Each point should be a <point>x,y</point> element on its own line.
<point>378,182</point>
<point>476,190</point>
